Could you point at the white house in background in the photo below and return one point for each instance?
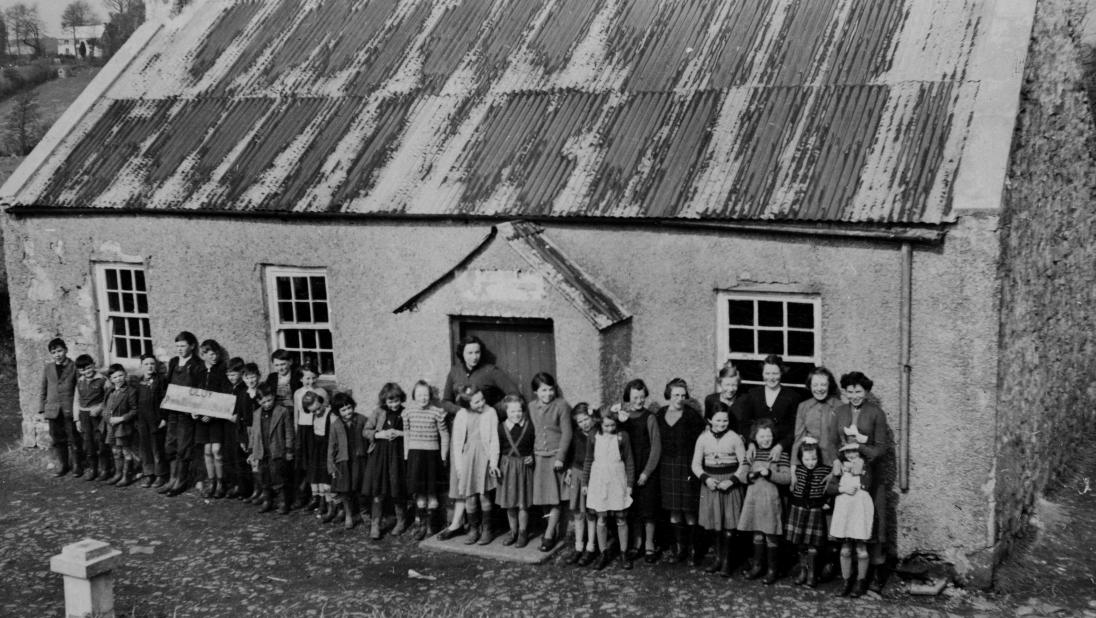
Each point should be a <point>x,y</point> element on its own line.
<point>81,41</point>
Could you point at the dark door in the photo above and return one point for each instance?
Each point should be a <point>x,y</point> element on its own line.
<point>520,347</point>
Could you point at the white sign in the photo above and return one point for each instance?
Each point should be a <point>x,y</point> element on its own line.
<point>199,401</point>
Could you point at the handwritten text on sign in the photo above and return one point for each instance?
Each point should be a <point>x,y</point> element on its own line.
<point>199,401</point>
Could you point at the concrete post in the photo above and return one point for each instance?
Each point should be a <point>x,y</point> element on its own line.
<point>89,582</point>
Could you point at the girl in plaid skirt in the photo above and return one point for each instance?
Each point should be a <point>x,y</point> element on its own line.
<point>807,528</point>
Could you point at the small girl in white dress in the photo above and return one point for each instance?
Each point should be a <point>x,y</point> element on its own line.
<point>611,472</point>
<point>853,515</point>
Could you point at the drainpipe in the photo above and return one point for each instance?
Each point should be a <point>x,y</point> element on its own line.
<point>904,328</point>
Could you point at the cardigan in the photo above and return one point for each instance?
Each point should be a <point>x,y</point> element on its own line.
<point>344,440</point>
<point>779,471</point>
<point>58,389</point>
<point>553,423</point>
<point>816,419</point>
<point>488,421</point>
<point>492,381</point>
<point>810,487</point>
<point>277,442</point>
<point>374,422</point>
<point>782,413</point>
<point>871,422</point>
<point>625,455</point>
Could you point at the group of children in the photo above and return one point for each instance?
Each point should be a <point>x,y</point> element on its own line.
<point>289,444</point>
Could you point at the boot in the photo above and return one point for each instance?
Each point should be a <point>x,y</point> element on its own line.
<point>287,501</point>
<point>172,468</point>
<point>420,528</point>
<point>62,455</point>
<point>604,559</point>
<point>846,587</point>
<point>809,564</point>
<point>861,588</point>
<point>350,521</point>
<point>431,517</point>
<point>879,578</point>
<point>332,514</point>
<point>104,468</point>
<point>210,488</point>
<point>119,471</point>
<point>129,475</point>
<point>76,456</point>
<point>801,576</point>
<point>720,555</point>
<point>256,488</point>
<point>149,478</point>
<point>375,516</point>
<point>93,469</point>
<point>220,489</point>
<point>728,542</point>
<point>159,483</point>
<point>700,543</point>
<point>180,478</point>
<point>485,527</point>
<point>267,501</point>
<point>681,550</point>
<point>314,503</point>
<point>774,561</point>
<point>401,520</point>
<point>625,563</point>
<point>233,492</point>
<point>473,528</point>
<point>758,568</point>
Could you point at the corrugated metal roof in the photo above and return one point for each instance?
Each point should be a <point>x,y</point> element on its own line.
<point>790,110</point>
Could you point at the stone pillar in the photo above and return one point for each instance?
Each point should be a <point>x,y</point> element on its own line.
<point>89,582</point>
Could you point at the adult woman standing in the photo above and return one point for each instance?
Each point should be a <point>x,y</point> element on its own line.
<point>816,416</point>
<point>776,403</point>
<point>471,370</point>
<point>874,435</point>
<point>679,426</point>
<point>730,399</point>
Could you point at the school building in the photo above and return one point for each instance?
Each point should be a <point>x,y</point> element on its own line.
<point>603,190</point>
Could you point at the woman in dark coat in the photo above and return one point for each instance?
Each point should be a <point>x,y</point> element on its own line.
<point>471,370</point>
<point>679,426</point>
<point>876,449</point>
<point>775,402</point>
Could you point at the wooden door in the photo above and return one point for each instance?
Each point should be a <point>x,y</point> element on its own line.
<point>520,347</point>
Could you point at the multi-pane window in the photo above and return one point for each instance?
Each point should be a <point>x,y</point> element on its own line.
<point>123,312</point>
<point>300,315</point>
<point>753,326</point>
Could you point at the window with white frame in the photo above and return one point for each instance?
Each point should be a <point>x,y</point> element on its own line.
<point>300,317</point>
<point>755,325</point>
<point>123,312</point>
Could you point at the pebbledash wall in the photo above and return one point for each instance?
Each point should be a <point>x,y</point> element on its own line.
<point>1047,405</point>
<point>206,275</point>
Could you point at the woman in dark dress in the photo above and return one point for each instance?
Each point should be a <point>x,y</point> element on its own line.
<point>679,426</point>
<point>776,403</point>
<point>471,370</point>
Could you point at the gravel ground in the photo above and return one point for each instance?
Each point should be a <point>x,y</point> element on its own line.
<point>192,557</point>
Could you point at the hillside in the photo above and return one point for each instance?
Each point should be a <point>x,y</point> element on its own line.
<point>53,98</point>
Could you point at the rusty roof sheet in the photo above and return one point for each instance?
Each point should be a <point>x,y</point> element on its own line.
<point>786,110</point>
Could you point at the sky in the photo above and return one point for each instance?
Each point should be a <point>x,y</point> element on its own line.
<point>50,12</point>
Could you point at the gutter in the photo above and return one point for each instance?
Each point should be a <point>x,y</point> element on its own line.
<point>904,369</point>
<point>925,234</point>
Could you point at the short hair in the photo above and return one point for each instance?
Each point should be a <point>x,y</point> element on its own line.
<point>468,340</point>
<point>310,367</point>
<point>251,369</point>
<point>235,364</point>
<point>855,378</point>
<point>710,414</point>
<point>146,356</point>
<point>543,379</point>
<point>776,360</point>
<point>509,399</point>
<point>84,361</point>
<point>188,337</point>
<point>581,408</point>
<point>728,370</point>
<point>760,425</point>
<point>423,383</point>
<point>831,383</point>
<point>808,447</point>
<point>341,400</point>
<point>675,383</point>
<point>264,390</point>
<point>211,345</point>
<point>55,343</point>
<point>281,354</point>
<point>309,398</point>
<point>635,385</point>
<point>115,368</point>
<point>391,390</point>
<point>467,392</point>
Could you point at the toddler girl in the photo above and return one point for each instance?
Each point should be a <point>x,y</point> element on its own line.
<point>761,507</point>
<point>385,472</point>
<point>119,415</point>
<point>346,455</point>
<point>515,492</point>
<point>610,469</point>
<point>853,515</point>
<point>426,449</point>
<point>806,528</point>
<point>475,465</point>
<point>719,461</point>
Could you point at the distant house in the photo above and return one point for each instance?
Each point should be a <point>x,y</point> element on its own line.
<point>81,41</point>
<point>603,190</point>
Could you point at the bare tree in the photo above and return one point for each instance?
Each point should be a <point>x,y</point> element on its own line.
<point>77,13</point>
<point>125,17</point>
<point>23,126</point>
<point>25,26</point>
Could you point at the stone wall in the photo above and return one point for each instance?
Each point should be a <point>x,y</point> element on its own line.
<point>1047,375</point>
